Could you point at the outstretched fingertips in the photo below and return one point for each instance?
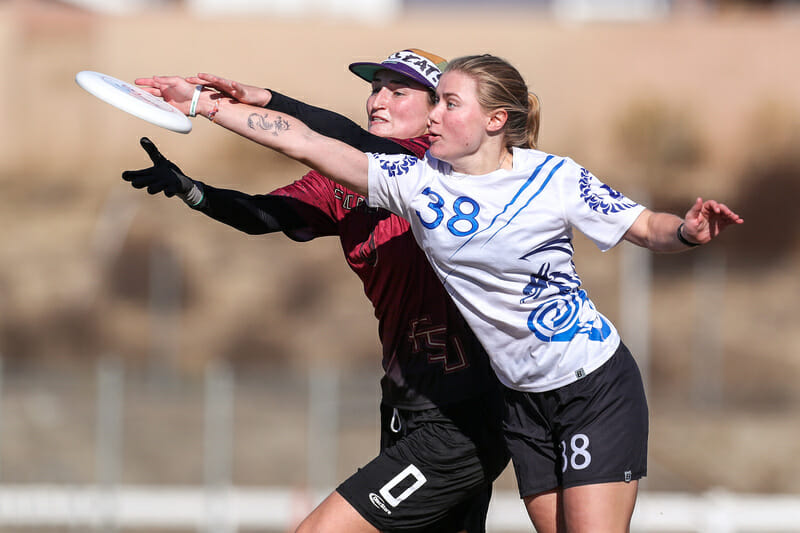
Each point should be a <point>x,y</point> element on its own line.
<point>139,183</point>
<point>131,175</point>
<point>152,151</point>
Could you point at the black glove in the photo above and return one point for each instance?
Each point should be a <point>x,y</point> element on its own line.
<point>164,176</point>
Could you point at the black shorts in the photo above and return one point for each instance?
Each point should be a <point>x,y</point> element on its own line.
<point>435,472</point>
<point>591,431</point>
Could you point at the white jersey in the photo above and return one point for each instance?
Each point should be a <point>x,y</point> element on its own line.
<point>502,245</point>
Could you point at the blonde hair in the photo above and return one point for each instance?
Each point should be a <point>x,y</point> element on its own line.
<point>501,86</point>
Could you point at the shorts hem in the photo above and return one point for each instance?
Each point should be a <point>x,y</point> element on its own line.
<point>610,479</point>
<point>360,510</point>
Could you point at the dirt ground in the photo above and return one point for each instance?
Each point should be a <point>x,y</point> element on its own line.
<point>699,104</point>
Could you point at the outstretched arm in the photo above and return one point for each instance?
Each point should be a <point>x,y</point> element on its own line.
<point>321,120</point>
<point>244,93</point>
<point>253,214</point>
<point>664,232</point>
<point>278,131</point>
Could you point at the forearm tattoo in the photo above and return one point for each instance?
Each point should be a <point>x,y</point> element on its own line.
<point>263,122</point>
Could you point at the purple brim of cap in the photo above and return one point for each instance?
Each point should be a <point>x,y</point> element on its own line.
<point>366,71</point>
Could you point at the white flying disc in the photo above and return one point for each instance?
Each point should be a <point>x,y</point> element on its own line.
<point>133,100</point>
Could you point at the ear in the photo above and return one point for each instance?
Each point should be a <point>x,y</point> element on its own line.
<point>497,119</point>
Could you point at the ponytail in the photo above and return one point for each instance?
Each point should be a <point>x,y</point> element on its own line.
<point>534,112</point>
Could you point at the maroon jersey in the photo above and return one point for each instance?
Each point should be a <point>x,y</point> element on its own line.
<point>430,356</point>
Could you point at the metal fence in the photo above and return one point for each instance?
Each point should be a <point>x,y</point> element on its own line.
<point>120,450</point>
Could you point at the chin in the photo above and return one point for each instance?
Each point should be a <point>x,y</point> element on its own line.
<point>381,129</point>
<point>435,152</point>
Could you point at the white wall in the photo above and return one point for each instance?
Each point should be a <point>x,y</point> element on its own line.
<point>118,7</point>
<point>610,9</point>
<point>353,9</point>
<point>359,9</point>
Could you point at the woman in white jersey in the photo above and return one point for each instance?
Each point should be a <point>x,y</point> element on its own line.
<point>495,217</point>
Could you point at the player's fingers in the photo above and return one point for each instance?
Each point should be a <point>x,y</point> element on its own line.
<point>207,77</point>
<point>140,182</point>
<point>214,80</point>
<point>169,80</point>
<point>695,210</point>
<point>152,90</point>
<point>152,151</point>
<point>217,87</point>
<point>138,175</point>
<point>221,84</point>
<point>129,175</point>
<point>728,212</point>
<point>155,187</point>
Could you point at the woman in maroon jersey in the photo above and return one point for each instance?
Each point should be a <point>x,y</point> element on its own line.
<point>441,442</point>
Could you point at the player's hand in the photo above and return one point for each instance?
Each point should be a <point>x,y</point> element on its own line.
<point>246,94</point>
<point>174,90</point>
<point>164,176</point>
<point>706,219</point>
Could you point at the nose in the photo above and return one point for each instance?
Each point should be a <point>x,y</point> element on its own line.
<point>381,97</point>
<point>435,113</point>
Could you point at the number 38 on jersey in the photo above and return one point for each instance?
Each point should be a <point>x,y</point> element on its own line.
<point>461,224</point>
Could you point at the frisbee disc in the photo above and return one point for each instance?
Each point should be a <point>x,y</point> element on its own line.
<point>133,100</point>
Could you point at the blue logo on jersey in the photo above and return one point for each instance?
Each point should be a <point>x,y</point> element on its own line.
<point>544,280</point>
<point>602,198</point>
<point>395,167</point>
<point>556,320</point>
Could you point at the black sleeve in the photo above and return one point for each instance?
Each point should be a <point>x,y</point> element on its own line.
<point>334,125</point>
<point>255,214</point>
<point>266,213</point>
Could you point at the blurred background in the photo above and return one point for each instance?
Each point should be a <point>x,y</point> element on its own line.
<point>145,345</point>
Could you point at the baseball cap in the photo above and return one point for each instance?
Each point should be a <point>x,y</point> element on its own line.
<point>419,65</point>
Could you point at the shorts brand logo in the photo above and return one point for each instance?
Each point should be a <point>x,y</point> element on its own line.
<point>377,501</point>
<point>628,476</point>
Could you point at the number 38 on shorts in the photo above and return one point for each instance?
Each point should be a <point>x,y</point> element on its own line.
<point>576,454</point>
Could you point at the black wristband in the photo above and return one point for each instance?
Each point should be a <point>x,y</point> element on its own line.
<point>683,239</point>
